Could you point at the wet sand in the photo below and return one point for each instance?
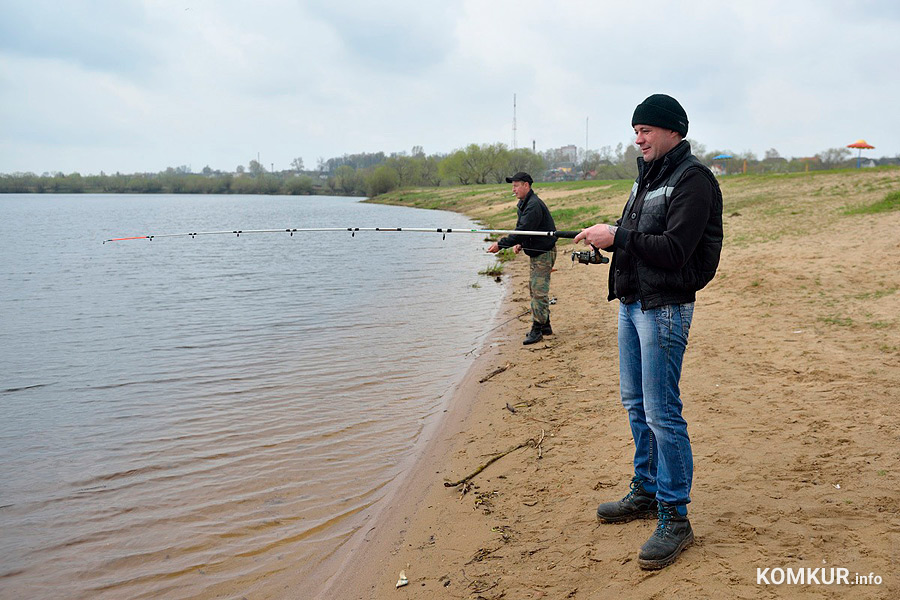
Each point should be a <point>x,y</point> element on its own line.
<point>790,387</point>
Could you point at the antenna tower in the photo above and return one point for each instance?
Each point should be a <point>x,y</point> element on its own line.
<point>514,121</point>
<point>586,135</point>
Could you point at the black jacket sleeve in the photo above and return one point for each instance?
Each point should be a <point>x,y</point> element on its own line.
<point>531,219</point>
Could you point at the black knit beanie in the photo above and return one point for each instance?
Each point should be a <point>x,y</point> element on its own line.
<point>660,110</point>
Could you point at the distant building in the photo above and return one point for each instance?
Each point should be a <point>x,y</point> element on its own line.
<point>570,153</point>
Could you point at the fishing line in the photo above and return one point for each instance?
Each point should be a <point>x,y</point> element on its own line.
<point>519,316</point>
<point>477,337</point>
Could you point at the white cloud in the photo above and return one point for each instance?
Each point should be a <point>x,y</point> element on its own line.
<point>142,86</point>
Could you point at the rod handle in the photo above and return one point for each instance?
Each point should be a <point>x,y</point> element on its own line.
<point>566,234</point>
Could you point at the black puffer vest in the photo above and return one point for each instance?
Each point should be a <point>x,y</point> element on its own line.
<point>657,286</point>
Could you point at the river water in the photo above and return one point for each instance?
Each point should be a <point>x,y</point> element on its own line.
<point>188,417</point>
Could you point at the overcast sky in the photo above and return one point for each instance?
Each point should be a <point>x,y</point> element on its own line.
<point>135,86</point>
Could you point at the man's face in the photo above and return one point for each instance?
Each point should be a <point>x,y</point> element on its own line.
<point>521,189</point>
<point>654,141</point>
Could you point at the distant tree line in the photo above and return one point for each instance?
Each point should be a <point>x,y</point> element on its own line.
<point>371,174</point>
<point>171,181</point>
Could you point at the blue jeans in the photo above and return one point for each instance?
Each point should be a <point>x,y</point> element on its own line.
<point>651,349</point>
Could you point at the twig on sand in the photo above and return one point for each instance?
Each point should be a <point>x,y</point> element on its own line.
<point>529,442</point>
<point>538,445</point>
<point>493,459</point>
<point>496,371</point>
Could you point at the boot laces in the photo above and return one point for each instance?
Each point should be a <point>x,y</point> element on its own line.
<point>636,487</point>
<point>664,518</point>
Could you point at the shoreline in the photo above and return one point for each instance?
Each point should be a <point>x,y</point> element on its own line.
<point>359,571</point>
<point>376,535</point>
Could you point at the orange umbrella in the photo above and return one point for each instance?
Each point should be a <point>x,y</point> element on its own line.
<point>862,145</point>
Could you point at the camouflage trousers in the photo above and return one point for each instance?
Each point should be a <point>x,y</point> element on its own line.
<point>539,286</point>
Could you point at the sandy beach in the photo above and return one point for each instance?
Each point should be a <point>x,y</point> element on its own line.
<point>790,389</point>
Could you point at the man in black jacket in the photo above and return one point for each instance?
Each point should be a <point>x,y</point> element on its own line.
<point>665,247</point>
<point>533,215</point>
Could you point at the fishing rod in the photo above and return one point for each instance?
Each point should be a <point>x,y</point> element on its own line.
<point>353,231</point>
<point>592,256</point>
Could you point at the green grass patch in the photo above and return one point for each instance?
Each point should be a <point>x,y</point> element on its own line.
<point>840,321</point>
<point>876,294</point>
<point>505,255</point>
<point>564,215</point>
<point>605,219</point>
<point>509,213</point>
<point>890,202</point>
<point>611,185</point>
<point>580,217</point>
<point>494,270</point>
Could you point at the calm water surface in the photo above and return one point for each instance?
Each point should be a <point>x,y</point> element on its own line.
<point>188,417</point>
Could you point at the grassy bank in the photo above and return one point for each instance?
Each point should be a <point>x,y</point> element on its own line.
<point>757,207</point>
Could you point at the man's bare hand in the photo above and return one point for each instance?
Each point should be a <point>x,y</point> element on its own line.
<point>601,236</point>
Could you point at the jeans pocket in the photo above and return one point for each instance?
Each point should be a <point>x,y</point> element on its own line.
<point>673,321</point>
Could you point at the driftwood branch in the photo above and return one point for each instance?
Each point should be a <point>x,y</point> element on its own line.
<point>529,442</point>
<point>496,371</point>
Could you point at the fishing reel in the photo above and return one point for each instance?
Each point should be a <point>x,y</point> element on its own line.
<point>589,257</point>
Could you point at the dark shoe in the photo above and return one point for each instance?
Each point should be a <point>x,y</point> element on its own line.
<point>638,504</point>
<point>546,329</point>
<point>673,534</point>
<point>534,335</point>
